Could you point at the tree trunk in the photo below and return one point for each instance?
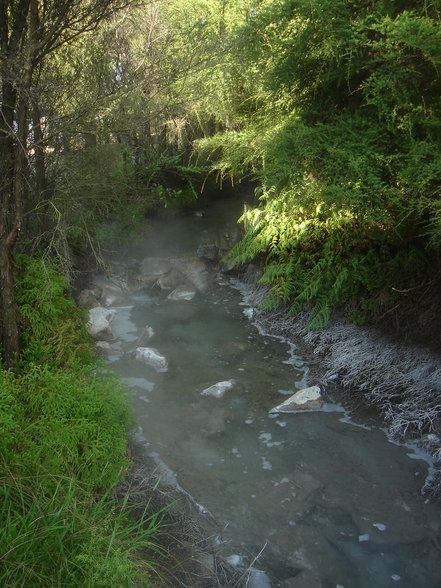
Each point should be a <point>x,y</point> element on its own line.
<point>9,320</point>
<point>13,146</point>
<point>40,163</point>
<point>9,336</point>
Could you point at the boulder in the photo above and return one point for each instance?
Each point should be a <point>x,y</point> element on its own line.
<point>145,336</point>
<point>153,268</point>
<point>89,297</point>
<point>152,358</point>
<point>114,290</point>
<point>304,400</point>
<point>258,579</point>
<point>170,280</point>
<point>169,273</point>
<point>103,347</point>
<point>209,251</point>
<point>195,273</point>
<point>99,322</point>
<point>182,292</point>
<point>218,390</point>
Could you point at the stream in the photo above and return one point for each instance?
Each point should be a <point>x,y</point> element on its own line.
<point>323,498</point>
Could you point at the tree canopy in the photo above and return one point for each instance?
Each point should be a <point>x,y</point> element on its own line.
<point>338,112</point>
<point>116,107</point>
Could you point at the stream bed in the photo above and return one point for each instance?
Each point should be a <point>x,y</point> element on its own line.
<point>323,499</point>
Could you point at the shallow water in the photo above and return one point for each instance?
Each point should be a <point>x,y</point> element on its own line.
<point>331,502</point>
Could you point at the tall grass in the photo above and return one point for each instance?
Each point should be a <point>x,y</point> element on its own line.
<point>70,537</point>
<point>63,452</point>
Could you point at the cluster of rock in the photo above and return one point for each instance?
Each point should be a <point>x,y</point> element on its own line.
<point>177,279</point>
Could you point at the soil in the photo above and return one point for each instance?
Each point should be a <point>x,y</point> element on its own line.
<point>416,318</point>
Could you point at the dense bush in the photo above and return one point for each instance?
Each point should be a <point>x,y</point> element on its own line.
<point>340,120</point>
<point>63,449</point>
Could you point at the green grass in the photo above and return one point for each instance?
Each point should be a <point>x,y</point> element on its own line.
<point>63,453</point>
<point>70,537</point>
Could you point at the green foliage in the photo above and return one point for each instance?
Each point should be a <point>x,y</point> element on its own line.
<point>70,422</point>
<point>53,327</point>
<point>68,537</point>
<point>63,449</point>
<point>342,127</point>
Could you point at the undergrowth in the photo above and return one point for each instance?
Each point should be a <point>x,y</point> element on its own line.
<point>339,122</point>
<point>63,450</point>
<point>322,257</point>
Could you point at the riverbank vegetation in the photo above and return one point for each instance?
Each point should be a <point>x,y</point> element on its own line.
<point>338,116</point>
<point>63,450</point>
<point>117,109</point>
<point>332,108</point>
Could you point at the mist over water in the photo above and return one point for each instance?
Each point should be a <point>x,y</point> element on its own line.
<point>329,500</point>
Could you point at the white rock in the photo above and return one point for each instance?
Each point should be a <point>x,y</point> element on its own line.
<point>170,280</point>
<point>182,293</point>
<point>235,560</point>
<point>306,399</point>
<point>111,298</point>
<point>114,289</point>
<point>218,390</point>
<point>258,579</point>
<point>103,347</point>
<point>145,336</point>
<point>195,272</point>
<point>99,321</point>
<point>89,297</point>
<point>152,357</point>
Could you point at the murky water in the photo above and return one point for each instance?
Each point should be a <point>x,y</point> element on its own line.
<point>326,501</point>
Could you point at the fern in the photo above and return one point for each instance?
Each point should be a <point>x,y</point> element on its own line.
<point>320,315</point>
<point>343,137</point>
<point>53,331</point>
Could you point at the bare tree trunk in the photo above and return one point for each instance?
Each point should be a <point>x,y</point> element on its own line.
<point>40,163</point>
<point>10,339</point>
<point>12,198</point>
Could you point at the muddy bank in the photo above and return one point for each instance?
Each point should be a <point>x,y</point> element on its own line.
<point>401,381</point>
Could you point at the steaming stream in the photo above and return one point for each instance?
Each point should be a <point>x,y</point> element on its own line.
<point>332,502</point>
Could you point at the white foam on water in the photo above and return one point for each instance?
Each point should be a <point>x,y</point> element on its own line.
<point>348,421</point>
<point>265,437</point>
<point>281,423</point>
<point>286,392</point>
<point>417,453</point>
